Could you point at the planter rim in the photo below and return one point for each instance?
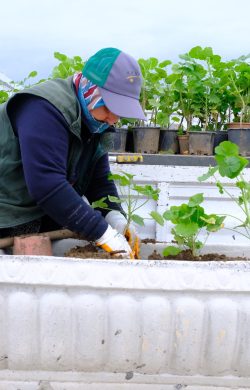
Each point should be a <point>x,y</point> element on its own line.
<point>168,129</point>
<point>238,125</point>
<point>164,275</point>
<point>146,127</point>
<point>202,132</point>
<point>119,129</point>
<point>183,135</point>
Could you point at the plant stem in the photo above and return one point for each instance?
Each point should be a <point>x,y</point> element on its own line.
<point>230,196</point>
<point>244,197</point>
<point>242,234</point>
<point>129,205</point>
<point>241,99</point>
<point>232,216</point>
<point>141,205</point>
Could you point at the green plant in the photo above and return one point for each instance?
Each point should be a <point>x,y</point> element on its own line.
<point>4,96</point>
<point>130,193</point>
<point>67,66</point>
<point>231,165</point>
<point>14,86</point>
<point>190,220</point>
<point>188,88</point>
<point>235,78</point>
<point>153,89</point>
<point>214,98</point>
<point>180,130</point>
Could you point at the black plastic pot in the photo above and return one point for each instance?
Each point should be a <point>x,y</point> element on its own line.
<point>240,135</point>
<point>168,142</point>
<point>146,139</point>
<point>130,142</point>
<point>115,141</point>
<point>201,142</point>
<point>220,136</point>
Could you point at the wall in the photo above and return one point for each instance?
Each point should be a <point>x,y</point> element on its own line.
<point>177,184</point>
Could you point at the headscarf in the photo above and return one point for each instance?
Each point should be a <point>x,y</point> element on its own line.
<point>90,98</point>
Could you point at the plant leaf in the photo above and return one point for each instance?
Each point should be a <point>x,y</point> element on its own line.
<point>147,190</point>
<point>114,199</point>
<point>211,172</point>
<point>32,74</point>
<point>121,179</point>
<point>227,148</point>
<point>100,203</point>
<point>231,166</point>
<point>157,217</point>
<point>186,229</point>
<point>137,219</point>
<point>195,200</point>
<point>171,251</point>
<point>60,56</point>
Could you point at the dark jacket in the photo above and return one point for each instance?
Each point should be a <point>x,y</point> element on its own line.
<point>16,204</point>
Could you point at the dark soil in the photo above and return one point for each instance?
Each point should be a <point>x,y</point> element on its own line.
<point>92,252</point>
<point>187,256</point>
<point>148,241</point>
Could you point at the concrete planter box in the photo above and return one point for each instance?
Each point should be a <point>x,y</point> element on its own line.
<point>69,324</point>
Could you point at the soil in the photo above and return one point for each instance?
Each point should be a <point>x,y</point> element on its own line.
<point>187,256</point>
<point>92,252</point>
<point>148,241</point>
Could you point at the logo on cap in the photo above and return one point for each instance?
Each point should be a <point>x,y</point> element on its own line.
<point>131,78</point>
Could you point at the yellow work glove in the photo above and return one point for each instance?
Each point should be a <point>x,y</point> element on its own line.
<point>112,241</point>
<point>119,222</point>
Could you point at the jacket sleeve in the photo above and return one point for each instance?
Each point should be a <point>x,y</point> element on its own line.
<point>44,141</point>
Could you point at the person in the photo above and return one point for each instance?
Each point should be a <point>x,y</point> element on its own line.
<point>51,153</point>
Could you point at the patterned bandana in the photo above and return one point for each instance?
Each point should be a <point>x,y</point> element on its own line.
<point>89,97</point>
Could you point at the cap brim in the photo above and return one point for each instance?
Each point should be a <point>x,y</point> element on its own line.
<point>122,106</point>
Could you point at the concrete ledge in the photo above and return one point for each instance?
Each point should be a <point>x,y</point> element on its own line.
<point>175,159</point>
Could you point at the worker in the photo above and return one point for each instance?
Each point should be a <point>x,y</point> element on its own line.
<point>51,153</point>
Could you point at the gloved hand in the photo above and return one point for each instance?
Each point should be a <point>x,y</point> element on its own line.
<point>112,241</point>
<point>119,222</point>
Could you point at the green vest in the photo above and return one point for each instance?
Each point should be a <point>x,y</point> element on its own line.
<point>16,205</point>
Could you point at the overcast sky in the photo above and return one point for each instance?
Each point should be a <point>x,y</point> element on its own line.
<point>32,30</point>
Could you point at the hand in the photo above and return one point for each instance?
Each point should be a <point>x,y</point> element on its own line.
<point>133,240</point>
<point>119,222</point>
<point>112,241</point>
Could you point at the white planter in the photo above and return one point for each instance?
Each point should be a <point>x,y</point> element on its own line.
<point>69,324</point>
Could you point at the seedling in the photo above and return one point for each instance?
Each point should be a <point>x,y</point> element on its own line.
<point>130,193</point>
<point>231,165</point>
<point>190,220</point>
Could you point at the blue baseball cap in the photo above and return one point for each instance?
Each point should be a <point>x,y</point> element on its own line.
<point>119,79</point>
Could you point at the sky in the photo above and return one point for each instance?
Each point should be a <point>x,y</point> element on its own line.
<point>32,30</point>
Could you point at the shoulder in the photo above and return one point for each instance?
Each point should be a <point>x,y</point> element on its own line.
<point>26,109</point>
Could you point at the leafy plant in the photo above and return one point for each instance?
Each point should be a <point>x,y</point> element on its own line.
<point>4,95</point>
<point>130,193</point>
<point>190,220</point>
<point>235,78</point>
<point>153,89</point>
<point>214,99</point>
<point>180,130</point>
<point>14,86</point>
<point>187,84</point>
<point>67,66</point>
<point>231,165</point>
